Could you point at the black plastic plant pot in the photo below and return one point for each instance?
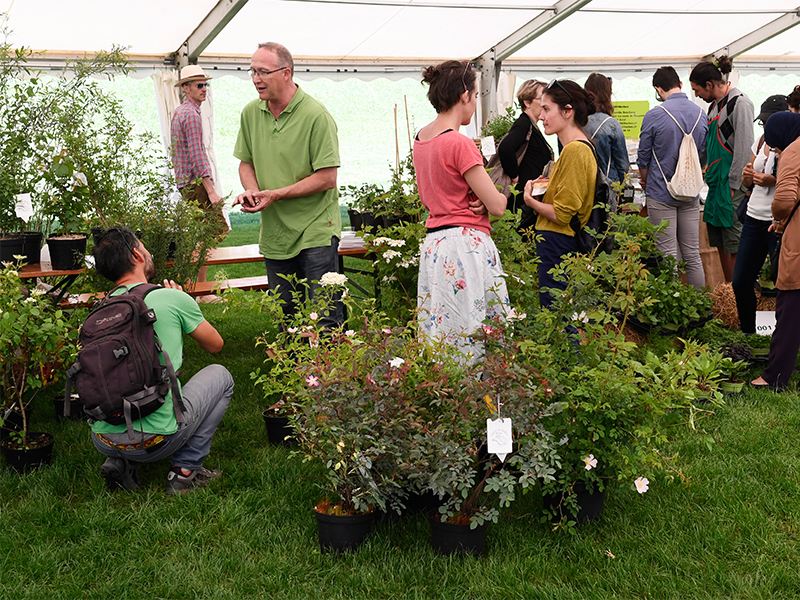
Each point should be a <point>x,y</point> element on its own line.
<point>67,254</point>
<point>10,247</point>
<point>279,432</point>
<point>22,460</point>
<point>590,504</point>
<point>75,408</point>
<point>342,533</point>
<point>32,247</point>
<point>455,538</point>
<point>355,219</point>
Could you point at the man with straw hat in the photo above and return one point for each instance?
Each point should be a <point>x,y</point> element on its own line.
<point>192,167</point>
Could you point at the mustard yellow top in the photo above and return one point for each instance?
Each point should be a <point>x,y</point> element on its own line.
<point>571,188</point>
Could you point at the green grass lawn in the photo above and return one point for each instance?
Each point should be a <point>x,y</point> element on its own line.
<point>732,530</point>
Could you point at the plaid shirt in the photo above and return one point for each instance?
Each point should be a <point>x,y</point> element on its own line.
<point>188,153</point>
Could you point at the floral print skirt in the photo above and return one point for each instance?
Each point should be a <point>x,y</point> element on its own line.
<point>461,283</point>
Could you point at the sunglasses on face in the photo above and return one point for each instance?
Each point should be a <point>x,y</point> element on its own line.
<point>558,83</point>
<point>200,86</point>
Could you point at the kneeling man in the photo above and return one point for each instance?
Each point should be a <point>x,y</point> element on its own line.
<point>122,258</point>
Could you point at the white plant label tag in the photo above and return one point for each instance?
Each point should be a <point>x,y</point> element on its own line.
<point>498,436</point>
<point>765,322</point>
<point>24,207</point>
<point>487,146</point>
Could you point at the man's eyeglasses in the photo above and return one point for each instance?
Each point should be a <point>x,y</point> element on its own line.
<point>202,85</point>
<point>262,73</point>
<point>558,83</point>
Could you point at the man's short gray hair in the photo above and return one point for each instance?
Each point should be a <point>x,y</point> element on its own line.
<point>284,56</point>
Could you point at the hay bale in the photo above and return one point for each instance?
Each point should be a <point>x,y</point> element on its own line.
<point>765,303</point>
<point>724,307</point>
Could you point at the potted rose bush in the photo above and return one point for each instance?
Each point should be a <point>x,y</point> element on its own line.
<point>36,340</point>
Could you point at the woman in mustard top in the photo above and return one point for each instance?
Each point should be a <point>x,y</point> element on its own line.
<point>566,107</point>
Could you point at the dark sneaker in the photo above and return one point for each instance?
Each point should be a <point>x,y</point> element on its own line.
<point>119,475</point>
<point>178,483</point>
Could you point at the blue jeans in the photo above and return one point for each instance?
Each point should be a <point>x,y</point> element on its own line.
<point>755,245</point>
<point>311,264</point>
<point>550,250</point>
<point>206,397</point>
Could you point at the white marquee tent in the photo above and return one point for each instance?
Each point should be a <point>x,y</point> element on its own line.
<point>395,38</point>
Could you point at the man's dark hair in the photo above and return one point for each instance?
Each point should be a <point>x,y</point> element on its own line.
<point>113,253</point>
<point>714,72</point>
<point>448,81</point>
<point>666,78</point>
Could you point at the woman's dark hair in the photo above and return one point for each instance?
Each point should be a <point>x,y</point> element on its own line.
<point>113,253</point>
<point>794,99</point>
<point>568,94</point>
<point>447,82</point>
<point>711,71</point>
<point>666,78</point>
<point>600,86</point>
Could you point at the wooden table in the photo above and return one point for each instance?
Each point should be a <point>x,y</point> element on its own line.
<point>45,269</point>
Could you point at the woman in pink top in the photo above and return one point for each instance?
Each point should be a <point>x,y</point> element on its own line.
<point>461,280</point>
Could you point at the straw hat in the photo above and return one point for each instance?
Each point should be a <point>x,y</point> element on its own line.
<point>192,73</point>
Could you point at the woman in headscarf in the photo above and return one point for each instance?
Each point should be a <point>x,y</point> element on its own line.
<point>781,133</point>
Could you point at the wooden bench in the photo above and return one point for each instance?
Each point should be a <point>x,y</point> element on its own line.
<point>228,255</point>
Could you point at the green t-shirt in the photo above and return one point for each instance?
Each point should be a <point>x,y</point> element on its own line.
<point>302,140</point>
<point>176,313</point>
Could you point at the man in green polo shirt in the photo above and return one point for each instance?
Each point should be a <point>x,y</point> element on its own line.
<point>289,153</point>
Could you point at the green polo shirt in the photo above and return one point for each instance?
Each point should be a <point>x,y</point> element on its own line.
<point>283,151</point>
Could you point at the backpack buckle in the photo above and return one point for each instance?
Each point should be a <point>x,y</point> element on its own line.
<point>121,351</point>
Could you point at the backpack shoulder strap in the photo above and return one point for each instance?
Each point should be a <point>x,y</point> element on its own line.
<point>676,120</point>
<point>600,126</point>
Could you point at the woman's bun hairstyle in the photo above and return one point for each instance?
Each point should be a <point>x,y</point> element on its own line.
<point>568,94</point>
<point>447,82</point>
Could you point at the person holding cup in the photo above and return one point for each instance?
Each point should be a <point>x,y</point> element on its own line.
<point>569,191</point>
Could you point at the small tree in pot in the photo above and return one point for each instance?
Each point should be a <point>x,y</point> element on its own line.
<point>36,340</point>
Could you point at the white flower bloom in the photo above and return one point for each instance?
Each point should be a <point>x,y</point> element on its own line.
<point>332,278</point>
<point>642,484</point>
<point>676,295</point>
<point>349,333</point>
<point>388,278</point>
<point>30,299</point>
<point>390,254</point>
<point>37,292</point>
<point>396,243</point>
<point>590,462</point>
<point>512,314</point>
<point>313,316</point>
<point>80,179</point>
<point>580,317</point>
<point>292,330</point>
<point>396,362</point>
<point>380,241</point>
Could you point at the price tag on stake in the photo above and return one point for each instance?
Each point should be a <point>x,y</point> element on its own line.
<point>498,436</point>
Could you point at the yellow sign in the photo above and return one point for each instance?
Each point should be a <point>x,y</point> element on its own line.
<point>630,115</point>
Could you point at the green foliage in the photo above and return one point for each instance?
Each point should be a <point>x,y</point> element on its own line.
<point>36,341</point>
<point>361,198</point>
<point>499,125</point>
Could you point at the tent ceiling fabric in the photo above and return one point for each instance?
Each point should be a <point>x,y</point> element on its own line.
<point>390,38</point>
